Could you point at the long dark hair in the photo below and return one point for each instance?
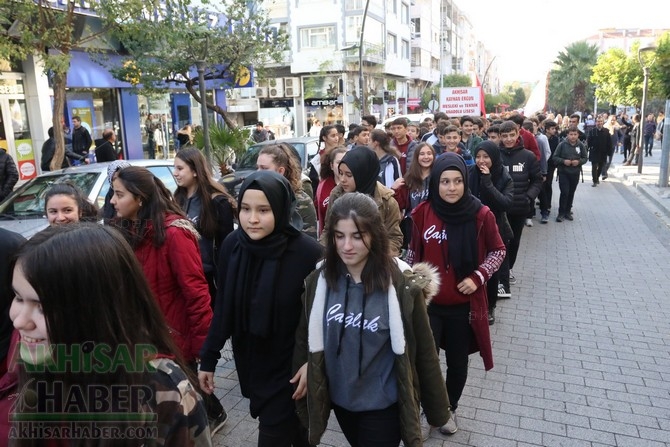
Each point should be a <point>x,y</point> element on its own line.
<point>88,212</point>
<point>327,159</point>
<point>323,133</point>
<point>283,157</point>
<point>379,266</point>
<point>111,305</point>
<point>384,141</point>
<point>157,201</point>
<point>413,177</point>
<point>207,189</point>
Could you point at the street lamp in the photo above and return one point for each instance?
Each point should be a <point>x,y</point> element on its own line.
<point>200,64</point>
<point>645,70</point>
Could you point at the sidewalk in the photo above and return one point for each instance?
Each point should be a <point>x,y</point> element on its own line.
<point>646,182</point>
<point>581,350</point>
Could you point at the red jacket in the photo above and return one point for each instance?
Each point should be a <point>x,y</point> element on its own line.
<point>426,247</point>
<point>175,274</point>
<point>321,196</point>
<point>529,142</point>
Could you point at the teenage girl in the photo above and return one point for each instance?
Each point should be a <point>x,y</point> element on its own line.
<point>456,233</point>
<point>364,344</point>
<point>263,266</point>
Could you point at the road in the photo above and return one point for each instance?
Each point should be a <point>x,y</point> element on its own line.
<point>581,350</point>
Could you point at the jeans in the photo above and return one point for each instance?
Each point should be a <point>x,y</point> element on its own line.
<point>452,332</point>
<point>648,144</point>
<point>376,428</point>
<point>567,182</point>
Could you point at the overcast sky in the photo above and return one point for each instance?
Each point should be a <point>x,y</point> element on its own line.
<point>539,31</point>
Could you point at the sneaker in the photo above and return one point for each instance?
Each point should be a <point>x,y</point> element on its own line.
<point>492,319</point>
<point>529,222</point>
<point>425,427</point>
<point>604,177</point>
<point>559,218</point>
<point>503,293</point>
<point>450,427</point>
<point>545,219</point>
<point>570,217</point>
<point>594,185</point>
<point>217,423</point>
<point>512,278</point>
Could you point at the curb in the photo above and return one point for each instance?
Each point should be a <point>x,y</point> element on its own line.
<point>652,193</point>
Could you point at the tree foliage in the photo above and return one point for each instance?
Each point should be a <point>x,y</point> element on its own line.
<point>569,84</point>
<point>660,71</point>
<point>164,45</point>
<point>48,31</point>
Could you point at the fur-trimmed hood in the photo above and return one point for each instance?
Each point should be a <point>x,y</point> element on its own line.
<point>423,275</point>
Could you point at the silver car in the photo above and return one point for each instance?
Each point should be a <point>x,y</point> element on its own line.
<point>23,211</point>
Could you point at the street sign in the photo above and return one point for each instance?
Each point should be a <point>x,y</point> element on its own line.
<point>460,101</point>
<point>433,105</point>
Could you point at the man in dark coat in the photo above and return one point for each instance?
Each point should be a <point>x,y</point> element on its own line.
<point>81,139</point>
<point>8,174</point>
<point>599,143</point>
<point>105,150</point>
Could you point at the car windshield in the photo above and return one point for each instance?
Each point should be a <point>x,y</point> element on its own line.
<point>28,200</point>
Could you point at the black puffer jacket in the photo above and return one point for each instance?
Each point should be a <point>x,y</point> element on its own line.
<point>8,174</point>
<point>524,169</point>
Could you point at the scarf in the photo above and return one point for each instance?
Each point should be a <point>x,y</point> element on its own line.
<point>460,218</point>
<point>364,165</point>
<point>254,266</point>
<point>493,151</point>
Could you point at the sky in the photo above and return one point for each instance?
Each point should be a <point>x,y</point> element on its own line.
<point>527,36</point>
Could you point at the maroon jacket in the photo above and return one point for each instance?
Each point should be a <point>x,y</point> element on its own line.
<point>529,142</point>
<point>427,245</point>
<point>175,275</point>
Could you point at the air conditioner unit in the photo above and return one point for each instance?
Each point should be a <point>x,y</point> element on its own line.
<point>261,92</point>
<point>292,87</point>
<point>276,88</point>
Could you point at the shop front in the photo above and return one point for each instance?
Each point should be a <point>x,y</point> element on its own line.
<point>15,134</point>
<point>323,103</point>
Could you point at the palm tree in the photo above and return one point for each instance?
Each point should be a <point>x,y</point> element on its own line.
<point>574,66</point>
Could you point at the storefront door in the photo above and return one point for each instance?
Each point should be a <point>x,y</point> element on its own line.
<point>15,137</point>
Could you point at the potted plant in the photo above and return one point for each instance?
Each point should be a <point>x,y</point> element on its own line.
<point>226,144</point>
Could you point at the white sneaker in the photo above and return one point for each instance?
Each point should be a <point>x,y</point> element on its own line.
<point>529,222</point>
<point>450,427</point>
<point>425,427</point>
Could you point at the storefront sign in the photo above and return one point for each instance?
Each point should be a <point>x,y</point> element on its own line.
<point>321,102</point>
<point>25,157</point>
<point>460,101</point>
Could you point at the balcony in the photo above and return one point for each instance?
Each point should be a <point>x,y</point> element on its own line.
<point>372,54</point>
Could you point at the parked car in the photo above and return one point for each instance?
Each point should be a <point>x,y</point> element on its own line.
<point>23,211</point>
<point>305,148</point>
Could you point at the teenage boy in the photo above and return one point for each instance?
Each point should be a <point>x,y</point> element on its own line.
<point>369,122</point>
<point>402,142</point>
<point>525,171</point>
<point>551,132</point>
<point>449,140</point>
<point>359,136</point>
<point>468,136</point>
<point>568,157</point>
<point>493,133</point>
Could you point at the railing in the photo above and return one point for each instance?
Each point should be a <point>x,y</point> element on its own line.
<point>372,53</point>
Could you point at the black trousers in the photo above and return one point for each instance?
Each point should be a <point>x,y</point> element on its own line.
<point>546,191</point>
<point>568,184</point>
<point>289,433</point>
<point>492,291</point>
<point>517,223</point>
<point>452,332</point>
<point>597,169</point>
<point>377,428</point>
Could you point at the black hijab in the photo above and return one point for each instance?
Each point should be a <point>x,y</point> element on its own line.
<point>364,165</point>
<point>460,218</point>
<point>253,267</point>
<point>493,151</point>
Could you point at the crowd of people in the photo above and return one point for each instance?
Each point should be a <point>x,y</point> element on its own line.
<point>339,293</point>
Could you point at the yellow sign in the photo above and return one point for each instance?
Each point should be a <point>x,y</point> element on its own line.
<point>243,77</point>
